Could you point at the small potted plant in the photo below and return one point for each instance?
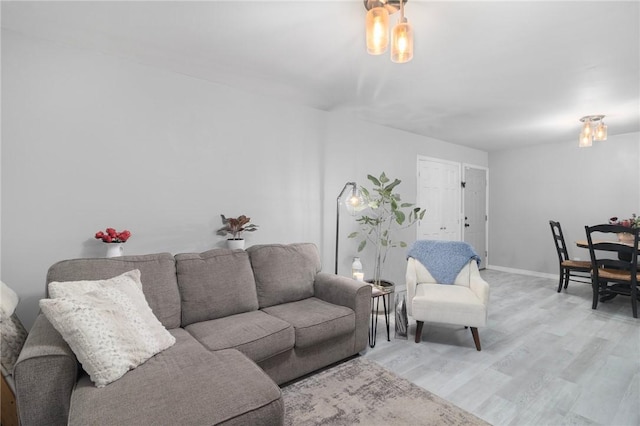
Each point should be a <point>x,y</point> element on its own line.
<point>235,227</point>
<point>114,240</point>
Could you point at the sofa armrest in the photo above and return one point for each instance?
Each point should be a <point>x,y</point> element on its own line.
<point>45,374</point>
<point>347,292</point>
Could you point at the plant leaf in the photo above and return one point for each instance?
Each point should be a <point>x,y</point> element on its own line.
<point>375,181</point>
<point>353,235</point>
<point>362,244</point>
<point>393,184</point>
<point>383,178</point>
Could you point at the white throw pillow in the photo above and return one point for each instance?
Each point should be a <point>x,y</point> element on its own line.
<point>107,323</point>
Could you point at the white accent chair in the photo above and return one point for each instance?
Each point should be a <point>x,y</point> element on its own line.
<point>465,302</point>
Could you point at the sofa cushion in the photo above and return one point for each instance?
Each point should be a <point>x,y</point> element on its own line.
<point>315,320</point>
<point>107,323</point>
<point>256,334</point>
<point>215,284</point>
<point>186,384</point>
<point>284,273</point>
<point>157,274</point>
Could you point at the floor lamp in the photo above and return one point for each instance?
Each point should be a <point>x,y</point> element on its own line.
<point>355,200</point>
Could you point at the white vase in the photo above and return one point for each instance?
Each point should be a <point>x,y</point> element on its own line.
<point>115,249</point>
<point>626,237</point>
<point>235,244</point>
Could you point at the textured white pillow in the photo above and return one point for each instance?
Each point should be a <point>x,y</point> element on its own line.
<point>108,324</point>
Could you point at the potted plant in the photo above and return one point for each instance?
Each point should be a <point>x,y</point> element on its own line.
<point>114,240</point>
<point>384,215</point>
<point>235,227</point>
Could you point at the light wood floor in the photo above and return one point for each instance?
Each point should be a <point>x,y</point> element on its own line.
<point>547,358</point>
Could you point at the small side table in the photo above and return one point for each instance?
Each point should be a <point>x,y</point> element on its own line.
<point>376,295</point>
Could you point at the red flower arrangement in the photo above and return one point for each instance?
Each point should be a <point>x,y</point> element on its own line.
<point>112,236</point>
<point>632,222</point>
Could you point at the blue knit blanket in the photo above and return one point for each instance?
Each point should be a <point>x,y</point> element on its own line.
<point>443,259</point>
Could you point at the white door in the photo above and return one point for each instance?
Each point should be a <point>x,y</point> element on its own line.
<point>439,194</point>
<point>475,210</point>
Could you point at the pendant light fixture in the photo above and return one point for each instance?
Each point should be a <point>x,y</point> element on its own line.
<point>377,30</point>
<point>402,39</point>
<point>593,128</point>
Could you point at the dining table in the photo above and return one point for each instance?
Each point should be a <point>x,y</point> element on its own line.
<point>621,256</point>
<point>585,243</point>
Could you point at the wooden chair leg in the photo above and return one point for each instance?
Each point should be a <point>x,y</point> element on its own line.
<point>419,325</point>
<point>560,280</point>
<point>567,274</point>
<point>596,290</point>
<point>476,337</point>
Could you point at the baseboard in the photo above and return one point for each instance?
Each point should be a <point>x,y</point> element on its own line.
<point>523,272</point>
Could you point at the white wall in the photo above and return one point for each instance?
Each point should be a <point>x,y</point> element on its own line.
<point>354,150</point>
<point>91,141</point>
<point>575,186</point>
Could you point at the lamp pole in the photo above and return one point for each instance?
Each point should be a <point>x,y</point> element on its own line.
<point>346,185</point>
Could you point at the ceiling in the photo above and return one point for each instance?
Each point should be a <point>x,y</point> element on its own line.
<point>488,75</point>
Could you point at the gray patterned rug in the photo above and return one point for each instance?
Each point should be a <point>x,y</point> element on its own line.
<point>362,392</point>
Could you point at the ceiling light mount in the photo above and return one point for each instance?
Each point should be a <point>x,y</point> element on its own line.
<point>392,6</point>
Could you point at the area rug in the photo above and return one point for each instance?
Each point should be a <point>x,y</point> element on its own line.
<point>359,391</point>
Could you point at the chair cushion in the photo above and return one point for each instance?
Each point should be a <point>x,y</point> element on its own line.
<point>315,320</point>
<point>448,304</point>
<point>215,284</point>
<point>256,334</point>
<point>577,264</point>
<point>614,274</point>
<point>205,388</point>
<point>284,273</point>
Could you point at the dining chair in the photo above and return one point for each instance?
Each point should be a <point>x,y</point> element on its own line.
<point>570,270</point>
<point>613,276</point>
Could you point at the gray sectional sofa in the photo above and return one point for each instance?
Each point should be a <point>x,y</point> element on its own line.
<point>244,322</point>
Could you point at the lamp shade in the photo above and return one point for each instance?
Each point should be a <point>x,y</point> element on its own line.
<point>601,132</point>
<point>355,201</point>
<point>585,140</point>
<point>402,42</point>
<point>377,27</point>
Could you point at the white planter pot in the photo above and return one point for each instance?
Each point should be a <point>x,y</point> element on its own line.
<point>237,244</point>
<point>115,249</point>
